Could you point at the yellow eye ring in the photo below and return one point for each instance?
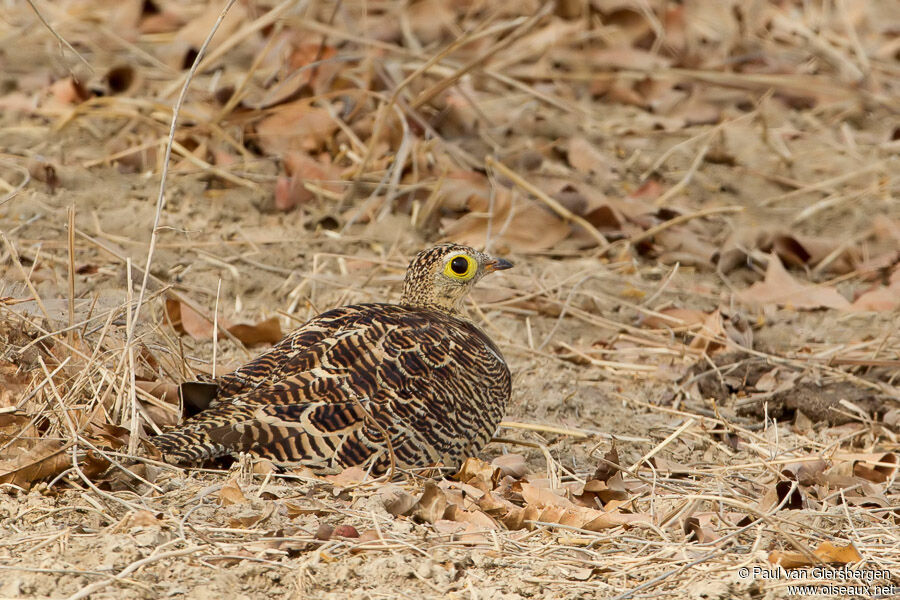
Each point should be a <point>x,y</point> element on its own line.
<point>461,267</point>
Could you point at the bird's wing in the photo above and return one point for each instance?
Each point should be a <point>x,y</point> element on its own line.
<point>290,355</point>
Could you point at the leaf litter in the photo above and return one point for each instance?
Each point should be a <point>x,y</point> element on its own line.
<point>700,201</point>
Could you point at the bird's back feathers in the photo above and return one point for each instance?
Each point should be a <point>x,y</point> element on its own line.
<point>327,395</point>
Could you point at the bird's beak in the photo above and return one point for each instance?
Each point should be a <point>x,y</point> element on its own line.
<point>497,264</point>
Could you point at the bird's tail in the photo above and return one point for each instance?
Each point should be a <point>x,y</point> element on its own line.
<point>191,442</point>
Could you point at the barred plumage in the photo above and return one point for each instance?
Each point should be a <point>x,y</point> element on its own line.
<point>326,395</point>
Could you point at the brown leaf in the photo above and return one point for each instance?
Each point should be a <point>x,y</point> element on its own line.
<point>588,160</point>
<point>623,57</point>
<point>494,505</point>
<point>45,459</point>
<point>675,317</point>
<point>263,466</point>
<point>789,496</point>
<point>397,501</point>
<point>519,225</point>
<point>348,477</point>
<point>477,473</point>
<point>431,506</point>
<point>681,244</point>
<point>231,494</point>
<point>369,535</point>
<point>93,465</point>
<point>882,298</point>
<point>877,473</point>
<point>264,332</point>
<point>586,518</point>
<point>446,526</point>
<point>805,473</point>
<point>511,465</point>
<point>195,32</point>
<point>783,290</point>
<point>69,91</point>
<point>605,216</point>
<point>295,127</point>
<point>164,390</point>
<point>609,491</point>
<point>476,518</point>
<point>462,531</point>
<point>298,80</point>
<point>517,518</point>
<point>295,510</point>
<point>186,320</point>
<point>141,518</point>
<point>542,496</point>
<point>246,521</point>
<point>698,528</point>
<point>165,21</point>
<point>710,335</point>
<point>301,169</point>
<point>17,433</point>
<point>605,470</point>
<point>119,481</point>
<point>826,552</point>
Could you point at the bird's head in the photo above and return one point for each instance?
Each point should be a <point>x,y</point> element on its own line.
<point>441,276</point>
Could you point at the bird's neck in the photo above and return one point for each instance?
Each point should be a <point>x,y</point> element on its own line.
<point>419,299</point>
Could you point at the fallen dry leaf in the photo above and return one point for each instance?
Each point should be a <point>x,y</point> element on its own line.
<point>780,288</point>
<point>45,459</point>
<point>698,528</point>
<point>805,473</point>
<point>17,434</point>
<point>826,552</point>
<point>877,473</point>
<point>163,390</point>
<point>542,496</point>
<point>186,320</point>
<point>264,332</point>
<point>193,34</point>
<point>511,465</point>
<point>786,494</point>
<point>347,477</point>
<point>587,159</point>
<point>668,318</point>
<point>517,224</point>
<point>301,168</point>
<point>295,127</point>
<point>477,474</point>
<point>69,91</point>
<point>397,501</point>
<point>710,334</point>
<point>446,526</point>
<point>432,504</point>
<point>108,435</point>
<point>141,518</point>
<point>231,493</point>
<point>885,297</point>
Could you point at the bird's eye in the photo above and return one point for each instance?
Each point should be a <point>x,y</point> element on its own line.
<point>461,267</point>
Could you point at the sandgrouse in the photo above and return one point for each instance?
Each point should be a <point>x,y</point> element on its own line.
<point>415,383</point>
